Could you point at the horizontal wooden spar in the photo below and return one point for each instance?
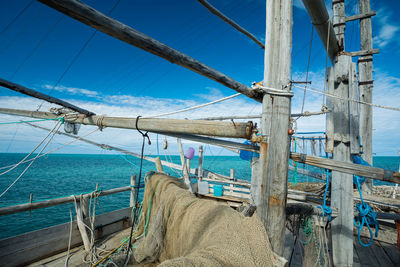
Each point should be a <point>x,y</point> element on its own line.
<point>320,19</point>
<point>361,16</point>
<point>36,94</point>
<point>363,52</point>
<point>210,128</point>
<point>229,21</point>
<point>230,145</point>
<point>346,167</point>
<point>90,16</point>
<point>294,115</point>
<point>57,201</point>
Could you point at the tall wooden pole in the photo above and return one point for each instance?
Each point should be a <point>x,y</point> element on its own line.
<point>274,155</point>
<point>342,184</point>
<point>366,86</point>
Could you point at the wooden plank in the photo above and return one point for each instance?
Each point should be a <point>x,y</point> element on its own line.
<point>219,14</point>
<point>366,52</point>
<point>320,19</point>
<point>392,251</point>
<point>90,16</point>
<point>361,16</point>
<point>54,202</point>
<point>30,247</point>
<point>380,254</point>
<point>365,255</point>
<point>26,91</point>
<point>212,128</point>
<point>354,111</point>
<point>347,167</point>
<point>274,151</point>
<point>365,70</point>
<point>329,116</point>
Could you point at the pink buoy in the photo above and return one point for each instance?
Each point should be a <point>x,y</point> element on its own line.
<point>190,153</point>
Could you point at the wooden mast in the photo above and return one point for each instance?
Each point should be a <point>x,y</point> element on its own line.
<point>342,184</point>
<point>366,86</point>
<point>274,153</point>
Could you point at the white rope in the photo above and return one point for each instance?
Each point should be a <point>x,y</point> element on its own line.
<point>33,160</point>
<point>318,91</point>
<point>23,160</point>
<point>192,108</point>
<point>51,151</point>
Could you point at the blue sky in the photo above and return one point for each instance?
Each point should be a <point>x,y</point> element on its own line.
<point>113,78</point>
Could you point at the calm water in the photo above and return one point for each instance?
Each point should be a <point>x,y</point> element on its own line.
<point>64,174</point>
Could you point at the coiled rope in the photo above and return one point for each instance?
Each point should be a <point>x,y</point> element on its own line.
<point>366,215</point>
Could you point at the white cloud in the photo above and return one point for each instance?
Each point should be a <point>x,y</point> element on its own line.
<point>386,123</point>
<point>387,31</point>
<point>73,91</point>
<point>118,106</point>
<point>299,4</point>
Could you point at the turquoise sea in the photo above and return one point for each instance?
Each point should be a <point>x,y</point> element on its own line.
<point>58,175</point>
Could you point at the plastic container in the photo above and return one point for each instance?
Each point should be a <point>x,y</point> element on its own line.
<point>218,190</point>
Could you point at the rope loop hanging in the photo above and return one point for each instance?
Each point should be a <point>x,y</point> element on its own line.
<point>366,216</point>
<point>143,134</point>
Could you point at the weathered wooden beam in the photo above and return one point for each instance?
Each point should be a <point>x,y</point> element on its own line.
<point>219,14</point>
<point>347,167</point>
<point>361,16</point>
<point>90,16</point>
<point>222,129</point>
<point>57,201</point>
<point>320,19</point>
<point>36,94</point>
<point>274,153</point>
<point>366,52</point>
<point>294,115</point>
<point>230,145</point>
<point>365,71</point>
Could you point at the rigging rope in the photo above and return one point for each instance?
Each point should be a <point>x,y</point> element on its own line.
<point>318,91</point>
<point>308,66</point>
<point>58,124</point>
<point>16,17</point>
<point>194,107</point>
<point>49,152</point>
<point>144,135</point>
<point>76,57</point>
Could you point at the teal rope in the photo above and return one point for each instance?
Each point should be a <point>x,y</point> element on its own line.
<point>16,122</point>
<point>307,231</point>
<point>366,215</point>
<point>326,210</point>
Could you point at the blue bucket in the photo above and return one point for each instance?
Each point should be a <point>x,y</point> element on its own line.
<point>218,190</point>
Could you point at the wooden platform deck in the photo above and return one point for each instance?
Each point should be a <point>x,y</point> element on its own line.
<point>380,253</point>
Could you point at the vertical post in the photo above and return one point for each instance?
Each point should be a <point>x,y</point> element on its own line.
<point>255,190</point>
<point>232,174</point>
<point>185,168</point>
<point>200,168</point>
<point>132,199</point>
<point>159,166</point>
<point>342,184</point>
<point>366,86</point>
<point>275,121</point>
